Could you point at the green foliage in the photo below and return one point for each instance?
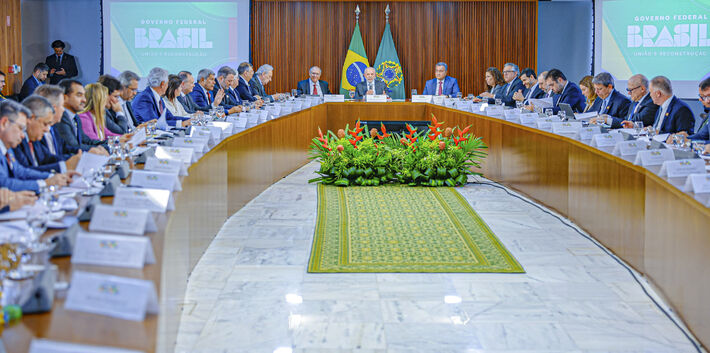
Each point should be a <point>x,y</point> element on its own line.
<point>355,157</point>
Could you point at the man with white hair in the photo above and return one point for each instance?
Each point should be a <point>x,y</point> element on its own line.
<point>261,78</point>
<point>370,85</point>
<point>129,89</point>
<point>148,105</point>
<point>313,85</point>
<point>673,114</point>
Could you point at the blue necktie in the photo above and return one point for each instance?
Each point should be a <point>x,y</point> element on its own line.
<point>54,141</point>
<point>630,116</point>
<point>76,128</point>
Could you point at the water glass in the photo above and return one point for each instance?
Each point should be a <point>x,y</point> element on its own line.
<point>548,112</point>
<point>499,101</point>
<point>698,147</point>
<point>638,126</point>
<point>352,94</point>
<point>294,93</point>
<point>459,95</point>
<point>519,105</point>
<point>677,141</point>
<point>414,92</point>
<point>562,115</point>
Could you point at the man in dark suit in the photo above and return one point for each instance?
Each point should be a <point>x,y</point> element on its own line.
<point>129,89</point>
<point>39,74</point>
<point>673,115</point>
<point>532,88</point>
<point>642,107</point>
<point>614,105</point>
<point>703,133</point>
<point>13,175</point>
<point>148,105</point>
<point>225,76</point>
<point>246,72</point>
<point>61,65</point>
<point>313,86</point>
<point>564,91</point>
<point>370,85</point>
<point>263,76</point>
<point>116,120</point>
<point>231,94</point>
<point>187,86</point>
<point>69,127</point>
<point>202,93</point>
<point>513,84</point>
<point>441,84</point>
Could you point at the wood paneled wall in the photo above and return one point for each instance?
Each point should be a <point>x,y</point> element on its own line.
<point>10,43</point>
<point>469,36</point>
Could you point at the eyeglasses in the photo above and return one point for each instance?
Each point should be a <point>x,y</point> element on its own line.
<point>23,128</point>
<point>632,89</point>
<point>704,98</point>
<point>508,71</point>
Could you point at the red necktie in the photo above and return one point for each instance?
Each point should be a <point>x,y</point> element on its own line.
<point>441,88</point>
<point>315,89</point>
<point>9,160</point>
<point>32,152</point>
<point>209,97</point>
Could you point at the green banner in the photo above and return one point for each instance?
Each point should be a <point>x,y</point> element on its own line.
<point>388,67</point>
<point>355,63</point>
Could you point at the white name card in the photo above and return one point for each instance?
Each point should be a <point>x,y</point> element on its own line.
<point>333,98</point>
<point>566,127</point>
<point>123,220</point>
<point>49,346</point>
<point>225,127</point>
<point>682,167</point>
<point>546,123</point>
<point>697,183</point>
<point>492,110</point>
<point>89,161</point>
<point>512,114</point>
<point>155,180</point>
<point>165,165</point>
<point>241,121</point>
<point>198,144</point>
<point>418,98</point>
<point>606,140</point>
<point>653,157</point>
<point>376,98</point>
<point>438,100</point>
<point>139,137</point>
<point>528,118</point>
<point>185,154</point>
<point>629,148</point>
<point>112,250</point>
<point>587,133</point>
<point>154,200</point>
<point>121,297</point>
<point>464,105</point>
<point>205,133</point>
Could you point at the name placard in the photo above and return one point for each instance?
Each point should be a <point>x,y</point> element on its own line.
<point>528,118</point>
<point>224,128</point>
<point>154,200</point>
<point>241,121</point>
<point>629,148</point>
<point>546,123</point>
<point>512,114</point>
<point>438,100</point>
<point>185,154</point>
<point>697,183</point>
<point>376,98</point>
<point>139,137</point>
<point>49,346</point>
<point>123,220</point>
<point>566,127</point>
<point>587,133</point>
<point>155,180</point>
<point>165,165</point>
<point>492,110</point>
<point>333,98</point>
<point>89,161</point>
<point>196,143</point>
<point>682,167</point>
<point>112,250</point>
<point>606,140</point>
<point>419,98</point>
<point>121,297</point>
<point>653,157</point>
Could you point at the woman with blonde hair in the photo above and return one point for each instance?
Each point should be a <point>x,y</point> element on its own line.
<point>93,117</point>
<point>593,102</point>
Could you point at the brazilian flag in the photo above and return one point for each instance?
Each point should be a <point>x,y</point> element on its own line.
<point>387,65</point>
<point>355,63</point>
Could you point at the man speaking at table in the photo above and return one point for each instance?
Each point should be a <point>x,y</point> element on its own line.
<point>313,86</point>
<point>441,85</point>
<point>564,91</point>
<point>370,86</point>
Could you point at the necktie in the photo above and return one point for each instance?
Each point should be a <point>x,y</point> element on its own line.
<point>130,112</point>
<point>9,161</point>
<point>603,107</point>
<point>659,116</point>
<point>315,89</point>
<point>76,128</point>
<point>59,59</point>
<point>507,89</point>
<point>209,97</point>
<point>371,87</point>
<point>160,106</point>
<point>632,111</point>
<point>441,88</point>
<point>51,142</point>
<point>32,153</point>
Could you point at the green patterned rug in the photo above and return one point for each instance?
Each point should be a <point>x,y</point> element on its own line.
<point>397,228</point>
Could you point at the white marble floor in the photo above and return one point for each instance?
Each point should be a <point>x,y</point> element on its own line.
<point>250,291</point>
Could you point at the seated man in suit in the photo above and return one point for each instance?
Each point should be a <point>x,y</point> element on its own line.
<point>564,91</point>
<point>614,104</point>
<point>31,152</point>
<point>313,86</point>
<point>148,105</point>
<point>532,88</point>
<point>116,120</point>
<point>512,85</point>
<point>202,93</point>
<point>2,85</point>
<point>225,76</point>
<point>61,65</point>
<point>129,89</point>
<point>186,87</point>
<point>13,175</point>
<point>246,72</point>
<point>14,200</point>
<point>441,84</point>
<point>703,133</point>
<point>642,108</point>
<point>371,85</point>
<point>673,115</point>
<point>262,77</point>
<point>39,74</point>
<point>69,127</point>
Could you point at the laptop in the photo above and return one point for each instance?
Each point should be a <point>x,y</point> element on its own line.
<point>569,113</point>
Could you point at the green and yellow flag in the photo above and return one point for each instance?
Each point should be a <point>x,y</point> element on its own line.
<point>387,65</point>
<point>355,63</point>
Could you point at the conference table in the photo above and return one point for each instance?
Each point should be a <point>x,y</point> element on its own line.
<point>643,218</point>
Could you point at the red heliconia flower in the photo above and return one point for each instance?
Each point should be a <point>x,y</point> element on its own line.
<point>357,129</point>
<point>340,148</point>
<point>320,136</point>
<point>384,132</point>
<point>403,141</point>
<point>434,123</point>
<point>461,137</point>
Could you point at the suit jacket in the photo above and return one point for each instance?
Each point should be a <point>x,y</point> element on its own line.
<point>229,100</point>
<point>678,118</point>
<point>646,113</point>
<point>189,104</point>
<point>258,89</point>
<point>63,150</point>
<point>201,99</point>
<point>233,97</point>
<point>304,88</point>
<point>45,161</point>
<point>594,107</point>
<point>68,64</point>
<point>145,108</point>
<point>361,88</point>
<point>450,87</point>
<point>618,106</point>
<point>116,123</point>
<point>244,90</point>
<point>90,128</point>
<point>28,88</point>
<point>704,129</point>
<point>72,135</point>
<point>571,95</point>
<point>507,94</point>
<point>19,177</point>
<point>537,93</point>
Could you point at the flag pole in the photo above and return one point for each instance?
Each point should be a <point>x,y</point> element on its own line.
<point>357,13</point>
<point>387,14</point>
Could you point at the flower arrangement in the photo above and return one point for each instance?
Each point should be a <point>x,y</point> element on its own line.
<point>369,158</point>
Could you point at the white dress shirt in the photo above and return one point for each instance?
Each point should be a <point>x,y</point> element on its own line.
<point>176,108</point>
<point>126,113</point>
<point>53,150</point>
<point>3,151</point>
<point>663,109</point>
<point>311,84</point>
